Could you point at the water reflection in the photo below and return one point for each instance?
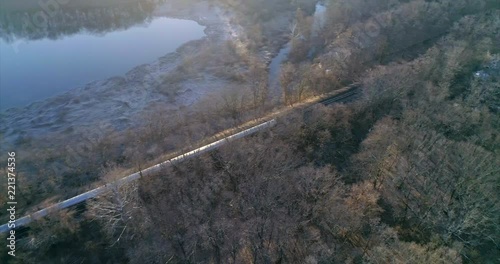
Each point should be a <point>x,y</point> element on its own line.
<point>80,45</point>
<point>53,19</point>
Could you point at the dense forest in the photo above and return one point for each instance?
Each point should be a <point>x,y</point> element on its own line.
<point>407,173</point>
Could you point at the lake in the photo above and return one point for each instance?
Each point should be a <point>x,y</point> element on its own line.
<point>38,64</point>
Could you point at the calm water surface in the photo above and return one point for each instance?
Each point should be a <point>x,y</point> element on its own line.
<point>32,70</point>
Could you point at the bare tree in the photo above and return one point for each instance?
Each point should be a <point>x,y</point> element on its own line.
<point>118,210</point>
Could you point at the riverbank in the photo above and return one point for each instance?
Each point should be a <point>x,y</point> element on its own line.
<point>119,102</point>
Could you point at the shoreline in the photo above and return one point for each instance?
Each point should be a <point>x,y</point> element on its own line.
<point>121,102</point>
<point>118,101</point>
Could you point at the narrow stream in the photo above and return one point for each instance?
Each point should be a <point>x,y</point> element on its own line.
<point>276,62</point>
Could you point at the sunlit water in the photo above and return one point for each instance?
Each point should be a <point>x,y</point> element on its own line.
<point>32,70</point>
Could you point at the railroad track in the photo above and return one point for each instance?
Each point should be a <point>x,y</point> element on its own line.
<point>343,97</point>
<point>133,177</point>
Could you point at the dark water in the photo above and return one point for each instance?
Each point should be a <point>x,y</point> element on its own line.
<point>276,62</point>
<point>78,46</point>
<point>275,71</point>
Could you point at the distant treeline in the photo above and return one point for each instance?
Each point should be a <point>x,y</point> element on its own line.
<point>24,5</point>
<point>56,20</point>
